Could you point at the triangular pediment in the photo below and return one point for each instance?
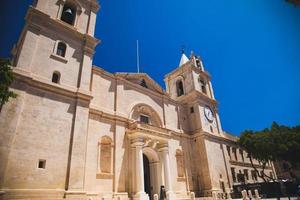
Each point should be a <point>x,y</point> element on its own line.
<point>142,79</point>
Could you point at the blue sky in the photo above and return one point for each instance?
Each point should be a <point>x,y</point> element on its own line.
<point>251,48</point>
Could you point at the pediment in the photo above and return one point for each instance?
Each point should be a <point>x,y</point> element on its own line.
<point>142,79</point>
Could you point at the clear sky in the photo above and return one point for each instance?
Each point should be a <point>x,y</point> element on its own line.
<point>251,48</point>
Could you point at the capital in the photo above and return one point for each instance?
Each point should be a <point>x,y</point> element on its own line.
<point>163,147</point>
<point>137,142</point>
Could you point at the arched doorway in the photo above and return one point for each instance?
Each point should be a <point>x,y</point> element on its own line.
<point>147,176</point>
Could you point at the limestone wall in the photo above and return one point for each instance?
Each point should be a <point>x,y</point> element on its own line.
<point>42,132</point>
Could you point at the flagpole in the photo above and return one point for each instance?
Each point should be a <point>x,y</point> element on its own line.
<point>137,56</point>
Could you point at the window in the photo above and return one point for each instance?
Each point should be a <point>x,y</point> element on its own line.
<point>179,88</point>
<point>143,83</point>
<point>61,49</point>
<point>242,154</point>
<point>179,161</point>
<point>42,164</point>
<point>228,152</point>
<point>254,175</point>
<point>211,129</point>
<point>246,174</point>
<point>202,85</point>
<point>105,158</point>
<point>55,77</point>
<point>240,177</point>
<point>233,174</point>
<point>234,153</point>
<point>198,62</point>
<point>144,119</point>
<point>271,175</point>
<point>192,109</point>
<point>68,14</point>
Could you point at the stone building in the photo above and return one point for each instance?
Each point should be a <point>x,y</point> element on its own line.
<point>76,131</point>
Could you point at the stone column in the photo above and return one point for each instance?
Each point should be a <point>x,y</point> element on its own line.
<point>167,173</point>
<point>139,170</point>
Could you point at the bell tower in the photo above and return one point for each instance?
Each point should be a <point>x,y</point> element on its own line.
<point>45,128</point>
<point>57,43</point>
<point>191,85</point>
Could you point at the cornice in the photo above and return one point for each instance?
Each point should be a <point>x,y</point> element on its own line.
<point>132,124</point>
<point>100,71</point>
<point>244,164</point>
<point>187,66</point>
<point>212,137</point>
<point>36,82</point>
<point>199,96</point>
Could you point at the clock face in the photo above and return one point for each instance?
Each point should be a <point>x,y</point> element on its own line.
<point>208,114</point>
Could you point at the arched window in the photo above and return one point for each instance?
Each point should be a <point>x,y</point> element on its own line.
<point>179,88</point>
<point>69,13</point>
<point>55,77</point>
<point>105,157</point>
<point>179,161</point>
<point>61,49</point>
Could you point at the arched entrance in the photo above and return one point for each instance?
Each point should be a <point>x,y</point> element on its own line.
<point>152,171</point>
<point>147,176</point>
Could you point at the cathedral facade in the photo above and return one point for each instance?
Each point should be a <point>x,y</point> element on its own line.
<point>76,131</point>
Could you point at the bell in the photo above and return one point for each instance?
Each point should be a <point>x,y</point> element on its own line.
<point>68,11</point>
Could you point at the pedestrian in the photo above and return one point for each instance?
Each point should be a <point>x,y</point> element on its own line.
<point>163,195</point>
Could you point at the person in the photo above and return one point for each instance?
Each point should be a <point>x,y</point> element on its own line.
<point>163,195</point>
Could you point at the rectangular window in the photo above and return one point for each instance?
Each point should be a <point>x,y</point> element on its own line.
<point>254,175</point>
<point>228,151</point>
<point>234,153</point>
<point>246,174</point>
<point>192,109</point>
<point>242,154</point>
<point>233,174</point>
<point>203,86</point>
<point>271,175</point>
<point>42,164</point>
<point>144,119</point>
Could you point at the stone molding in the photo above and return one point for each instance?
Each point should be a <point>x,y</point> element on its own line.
<point>40,83</point>
<point>185,67</point>
<point>134,126</point>
<point>244,164</point>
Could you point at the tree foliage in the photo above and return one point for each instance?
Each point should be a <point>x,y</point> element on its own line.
<point>6,79</point>
<point>277,143</point>
<point>295,2</point>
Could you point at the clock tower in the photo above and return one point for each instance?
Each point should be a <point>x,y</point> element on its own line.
<point>191,85</point>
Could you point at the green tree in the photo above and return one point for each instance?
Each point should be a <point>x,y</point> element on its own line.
<point>6,79</point>
<point>295,2</point>
<point>277,143</point>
